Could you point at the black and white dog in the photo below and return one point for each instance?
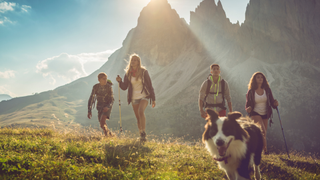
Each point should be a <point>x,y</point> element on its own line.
<point>235,143</point>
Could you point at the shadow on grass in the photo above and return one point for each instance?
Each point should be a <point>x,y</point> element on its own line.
<point>122,155</point>
<point>305,166</point>
<point>272,171</point>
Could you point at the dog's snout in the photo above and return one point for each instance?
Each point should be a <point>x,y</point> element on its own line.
<point>220,142</point>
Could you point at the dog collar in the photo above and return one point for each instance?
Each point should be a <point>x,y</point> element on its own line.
<point>225,159</point>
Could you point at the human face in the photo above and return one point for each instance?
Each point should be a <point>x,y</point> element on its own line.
<point>259,78</point>
<point>135,62</point>
<point>215,71</point>
<point>103,80</point>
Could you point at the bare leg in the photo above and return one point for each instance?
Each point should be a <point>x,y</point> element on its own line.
<point>257,119</point>
<point>142,118</point>
<point>136,112</point>
<point>265,123</point>
<point>103,123</point>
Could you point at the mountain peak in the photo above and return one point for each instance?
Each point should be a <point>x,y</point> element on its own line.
<point>160,33</point>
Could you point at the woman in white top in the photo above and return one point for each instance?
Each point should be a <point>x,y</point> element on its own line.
<point>140,90</point>
<point>259,102</point>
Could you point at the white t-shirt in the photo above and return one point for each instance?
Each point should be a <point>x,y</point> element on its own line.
<point>260,103</point>
<point>137,88</point>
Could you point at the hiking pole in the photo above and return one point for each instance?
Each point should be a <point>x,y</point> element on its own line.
<point>283,132</point>
<point>119,107</point>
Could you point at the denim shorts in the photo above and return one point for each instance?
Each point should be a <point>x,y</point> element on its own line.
<point>137,101</point>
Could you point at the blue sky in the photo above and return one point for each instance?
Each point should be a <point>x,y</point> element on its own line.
<point>48,43</point>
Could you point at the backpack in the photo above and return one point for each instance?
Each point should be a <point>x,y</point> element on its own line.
<point>221,105</point>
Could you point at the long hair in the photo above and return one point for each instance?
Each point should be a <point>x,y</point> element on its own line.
<point>129,68</point>
<point>253,83</point>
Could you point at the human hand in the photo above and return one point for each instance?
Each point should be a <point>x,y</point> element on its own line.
<point>119,79</point>
<point>249,109</point>
<point>203,113</point>
<point>89,115</point>
<point>153,104</point>
<point>275,103</point>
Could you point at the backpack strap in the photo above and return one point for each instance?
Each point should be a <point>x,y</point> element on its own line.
<point>223,91</point>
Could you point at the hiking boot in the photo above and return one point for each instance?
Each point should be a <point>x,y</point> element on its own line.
<point>108,133</point>
<point>143,137</point>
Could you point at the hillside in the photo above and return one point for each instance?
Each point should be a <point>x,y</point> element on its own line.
<point>5,97</point>
<point>279,38</point>
<point>85,153</point>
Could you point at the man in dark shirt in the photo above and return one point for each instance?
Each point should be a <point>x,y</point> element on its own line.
<point>102,92</point>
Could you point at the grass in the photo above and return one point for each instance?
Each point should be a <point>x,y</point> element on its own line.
<point>86,154</point>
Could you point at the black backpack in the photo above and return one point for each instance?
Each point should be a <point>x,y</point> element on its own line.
<point>221,105</point>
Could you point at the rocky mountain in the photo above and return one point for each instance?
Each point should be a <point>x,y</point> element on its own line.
<point>5,97</point>
<point>278,38</point>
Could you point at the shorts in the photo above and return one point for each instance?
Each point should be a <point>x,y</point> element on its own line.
<point>137,101</point>
<point>253,113</point>
<point>100,112</point>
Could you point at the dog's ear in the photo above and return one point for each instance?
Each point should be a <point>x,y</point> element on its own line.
<point>212,114</point>
<point>234,115</point>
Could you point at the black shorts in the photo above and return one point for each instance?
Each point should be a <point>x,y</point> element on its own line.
<point>100,112</point>
<point>253,113</point>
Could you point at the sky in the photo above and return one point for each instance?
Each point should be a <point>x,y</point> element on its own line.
<point>45,44</point>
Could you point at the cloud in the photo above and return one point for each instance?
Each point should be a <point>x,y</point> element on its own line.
<point>5,20</point>
<point>70,67</point>
<point>4,90</point>
<point>5,6</point>
<point>25,8</point>
<point>7,74</point>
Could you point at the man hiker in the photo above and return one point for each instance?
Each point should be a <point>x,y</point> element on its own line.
<point>102,92</point>
<point>213,93</point>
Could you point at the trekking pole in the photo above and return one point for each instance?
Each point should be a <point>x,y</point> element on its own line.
<point>283,132</point>
<point>119,107</point>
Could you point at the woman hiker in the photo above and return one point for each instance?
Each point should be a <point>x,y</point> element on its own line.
<point>140,91</point>
<point>259,102</point>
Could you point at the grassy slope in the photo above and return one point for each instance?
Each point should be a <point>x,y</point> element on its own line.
<point>44,153</point>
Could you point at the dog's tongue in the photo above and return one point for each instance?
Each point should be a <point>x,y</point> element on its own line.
<point>222,150</point>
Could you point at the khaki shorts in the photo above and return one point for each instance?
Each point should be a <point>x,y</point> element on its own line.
<point>100,112</point>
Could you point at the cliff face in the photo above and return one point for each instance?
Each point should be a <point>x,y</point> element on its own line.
<point>289,30</point>
<point>279,38</point>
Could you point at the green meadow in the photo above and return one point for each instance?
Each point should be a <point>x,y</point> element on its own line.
<point>85,154</point>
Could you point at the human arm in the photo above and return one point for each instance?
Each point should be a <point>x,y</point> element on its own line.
<point>123,85</point>
<point>273,102</point>
<point>228,96</point>
<point>202,94</point>
<point>202,112</point>
<point>149,86</point>
<point>91,100</point>
<point>248,102</point>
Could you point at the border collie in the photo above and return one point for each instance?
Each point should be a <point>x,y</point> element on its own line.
<point>235,143</point>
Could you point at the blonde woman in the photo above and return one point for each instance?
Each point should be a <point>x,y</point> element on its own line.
<point>260,102</point>
<point>140,91</point>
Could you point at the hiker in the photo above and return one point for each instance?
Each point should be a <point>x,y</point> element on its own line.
<point>213,93</point>
<point>140,90</point>
<point>102,92</point>
<point>259,100</point>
